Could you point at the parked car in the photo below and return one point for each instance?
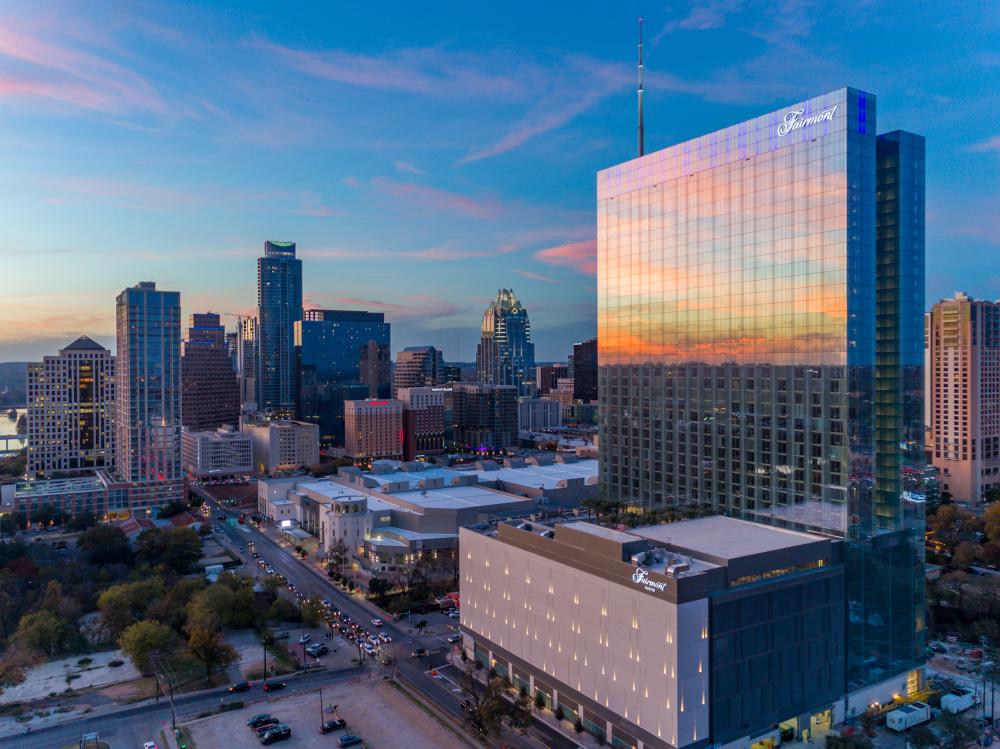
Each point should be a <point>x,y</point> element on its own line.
<point>333,725</point>
<point>384,637</point>
<point>305,638</point>
<point>455,638</point>
<point>274,686</point>
<point>149,745</point>
<point>258,719</point>
<point>419,653</point>
<point>454,614</point>
<point>265,727</point>
<point>283,635</point>
<point>349,739</point>
<point>279,732</point>
<point>317,649</point>
<point>240,686</point>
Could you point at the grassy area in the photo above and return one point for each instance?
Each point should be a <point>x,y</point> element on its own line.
<point>190,673</point>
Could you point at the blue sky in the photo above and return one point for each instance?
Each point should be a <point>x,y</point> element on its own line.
<point>423,155</point>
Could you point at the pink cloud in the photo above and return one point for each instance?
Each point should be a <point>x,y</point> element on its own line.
<point>432,197</point>
<point>580,256</point>
<point>412,308</point>
<point>58,72</point>
<point>313,206</point>
<point>991,144</point>
<point>536,276</point>
<point>442,253</point>
<point>406,166</point>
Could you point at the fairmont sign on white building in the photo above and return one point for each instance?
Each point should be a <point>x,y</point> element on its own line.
<point>795,121</point>
<point>641,577</point>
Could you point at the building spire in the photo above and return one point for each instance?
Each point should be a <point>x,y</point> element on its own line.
<point>642,145</point>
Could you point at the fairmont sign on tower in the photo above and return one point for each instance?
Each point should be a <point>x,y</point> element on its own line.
<point>795,121</point>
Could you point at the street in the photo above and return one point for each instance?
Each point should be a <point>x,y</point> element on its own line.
<point>416,671</point>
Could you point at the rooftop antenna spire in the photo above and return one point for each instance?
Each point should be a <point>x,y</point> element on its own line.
<point>642,145</point>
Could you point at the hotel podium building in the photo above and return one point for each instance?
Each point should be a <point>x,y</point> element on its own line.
<point>760,305</point>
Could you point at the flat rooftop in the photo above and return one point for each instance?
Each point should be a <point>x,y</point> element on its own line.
<point>456,497</point>
<point>55,487</point>
<point>725,538</point>
<point>549,477</point>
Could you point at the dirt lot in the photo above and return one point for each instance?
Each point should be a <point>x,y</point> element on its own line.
<point>244,494</point>
<point>365,706</point>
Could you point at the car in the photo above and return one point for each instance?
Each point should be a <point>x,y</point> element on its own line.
<point>282,635</point>
<point>349,739</point>
<point>327,602</point>
<point>333,725</point>
<point>455,638</point>
<point>240,686</point>
<point>419,653</point>
<point>454,614</point>
<point>149,745</point>
<point>317,649</point>
<point>258,719</point>
<point>376,622</point>
<point>279,732</point>
<point>265,727</point>
<point>274,686</point>
<point>384,637</point>
<point>306,637</point>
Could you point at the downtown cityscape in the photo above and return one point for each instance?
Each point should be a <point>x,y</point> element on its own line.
<point>667,416</point>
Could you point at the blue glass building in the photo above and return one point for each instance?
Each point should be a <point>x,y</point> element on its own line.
<point>279,301</point>
<point>505,354</point>
<point>760,302</point>
<point>342,355</point>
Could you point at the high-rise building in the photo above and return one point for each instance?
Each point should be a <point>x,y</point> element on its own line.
<point>246,362</point>
<point>423,421</point>
<point>148,395</point>
<point>219,453</point>
<point>70,415</point>
<point>332,346</point>
<point>417,366</point>
<point>505,354</point>
<point>962,343</point>
<point>585,370</point>
<point>279,301</point>
<point>535,414</point>
<point>281,445</point>
<point>547,376</point>
<point>210,387</point>
<point>759,306</point>
<point>374,429</point>
<point>483,417</point>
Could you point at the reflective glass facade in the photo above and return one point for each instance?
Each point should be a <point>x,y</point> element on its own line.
<point>505,354</point>
<point>756,334</point>
<point>331,346</point>
<point>279,301</point>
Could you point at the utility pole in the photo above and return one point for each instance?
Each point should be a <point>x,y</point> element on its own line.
<point>321,721</point>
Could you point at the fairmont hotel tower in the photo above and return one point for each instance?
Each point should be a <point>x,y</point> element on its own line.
<point>760,306</point>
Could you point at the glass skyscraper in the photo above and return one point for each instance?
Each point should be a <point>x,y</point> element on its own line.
<point>279,301</point>
<point>505,354</point>
<point>760,298</point>
<point>339,352</point>
<point>148,394</point>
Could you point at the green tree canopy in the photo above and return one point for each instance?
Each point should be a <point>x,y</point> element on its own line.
<point>142,640</point>
<point>45,632</point>
<point>105,544</point>
<point>177,548</point>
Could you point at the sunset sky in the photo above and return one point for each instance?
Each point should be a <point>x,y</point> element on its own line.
<point>424,154</point>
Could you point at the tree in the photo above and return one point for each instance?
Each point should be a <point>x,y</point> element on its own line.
<point>230,602</point>
<point>171,609</point>
<point>338,556</point>
<point>487,707</point>
<point>206,644</point>
<point>921,737</point>
<point>123,605</point>
<point>44,632</point>
<point>81,521</point>
<point>313,612</point>
<point>177,548</point>
<point>834,741</point>
<point>142,640</point>
<point>991,518</point>
<point>105,544</point>
<point>953,524</point>
<point>957,731</point>
<point>378,587</point>
<point>964,554</point>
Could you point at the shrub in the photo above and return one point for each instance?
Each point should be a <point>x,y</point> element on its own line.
<point>116,663</point>
<point>578,724</point>
<point>539,700</point>
<point>85,661</point>
<point>559,713</point>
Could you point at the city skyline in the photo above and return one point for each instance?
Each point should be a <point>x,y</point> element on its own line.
<point>299,129</point>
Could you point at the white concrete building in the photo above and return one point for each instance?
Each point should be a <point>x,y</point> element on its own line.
<point>283,445</point>
<point>223,452</point>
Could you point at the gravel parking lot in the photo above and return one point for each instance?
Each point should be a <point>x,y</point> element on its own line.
<point>378,711</point>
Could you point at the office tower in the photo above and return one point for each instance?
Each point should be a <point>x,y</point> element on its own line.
<point>246,359</point>
<point>423,420</point>
<point>483,417</point>
<point>547,376</point>
<point>210,387</point>
<point>279,301</point>
<point>281,445</point>
<point>538,414</point>
<point>962,343</point>
<point>148,395</point>
<point>376,369</point>
<point>374,429</point>
<point>219,453</point>
<point>417,366</point>
<point>330,345</point>
<point>70,414</point>
<point>506,355</point>
<point>585,370</point>
<point>759,297</point>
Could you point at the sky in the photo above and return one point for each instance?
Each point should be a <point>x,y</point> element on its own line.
<point>423,155</point>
